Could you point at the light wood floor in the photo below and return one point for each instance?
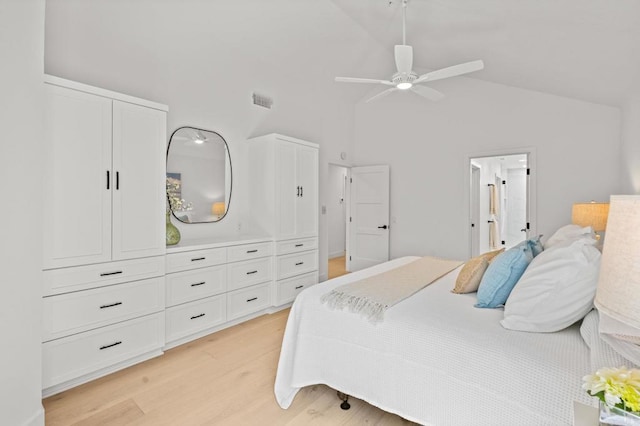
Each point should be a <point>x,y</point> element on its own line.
<point>337,266</point>
<point>225,378</point>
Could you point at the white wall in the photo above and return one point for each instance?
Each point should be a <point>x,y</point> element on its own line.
<point>21,99</point>
<point>336,210</point>
<point>631,147</point>
<point>428,145</point>
<point>204,60</point>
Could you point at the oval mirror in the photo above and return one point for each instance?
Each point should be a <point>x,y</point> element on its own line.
<point>198,175</point>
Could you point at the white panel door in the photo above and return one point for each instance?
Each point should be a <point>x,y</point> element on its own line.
<point>139,181</point>
<point>369,217</point>
<point>516,206</point>
<point>307,202</point>
<point>78,180</point>
<point>287,190</point>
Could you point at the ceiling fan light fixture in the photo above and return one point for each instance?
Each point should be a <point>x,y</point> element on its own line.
<point>404,86</point>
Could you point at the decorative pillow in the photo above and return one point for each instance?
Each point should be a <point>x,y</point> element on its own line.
<point>469,277</point>
<point>570,233</point>
<point>536,245</point>
<point>502,275</point>
<point>556,290</point>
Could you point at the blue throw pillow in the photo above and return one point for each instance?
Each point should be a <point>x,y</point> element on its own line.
<point>502,275</point>
<point>535,245</point>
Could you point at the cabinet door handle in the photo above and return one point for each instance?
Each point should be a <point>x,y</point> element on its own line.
<point>299,263</point>
<point>299,287</point>
<point>198,258</point>
<point>111,345</point>
<point>299,245</point>
<point>197,316</point>
<point>298,188</point>
<point>111,305</point>
<point>252,272</point>
<point>197,284</point>
<point>117,180</point>
<point>106,274</point>
<point>108,180</point>
<point>252,299</point>
<point>302,191</point>
<point>252,251</point>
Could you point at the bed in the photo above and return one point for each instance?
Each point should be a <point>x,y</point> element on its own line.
<point>437,360</point>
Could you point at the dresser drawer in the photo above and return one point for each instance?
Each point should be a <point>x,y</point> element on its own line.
<point>244,274</point>
<point>196,259</point>
<point>186,286</point>
<point>294,264</point>
<point>295,246</point>
<point>246,301</point>
<point>249,251</point>
<point>192,317</point>
<point>64,280</point>
<point>71,313</point>
<point>287,290</point>
<point>74,356</point>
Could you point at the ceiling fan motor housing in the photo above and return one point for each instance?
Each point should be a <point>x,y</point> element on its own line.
<point>404,77</point>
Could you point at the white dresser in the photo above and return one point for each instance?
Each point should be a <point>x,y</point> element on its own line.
<point>284,172</point>
<point>103,233</point>
<point>213,285</point>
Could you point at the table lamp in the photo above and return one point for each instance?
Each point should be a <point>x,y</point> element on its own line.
<point>218,209</point>
<point>618,293</point>
<point>591,214</point>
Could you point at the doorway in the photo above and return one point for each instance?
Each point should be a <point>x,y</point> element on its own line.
<point>337,219</point>
<point>499,201</point>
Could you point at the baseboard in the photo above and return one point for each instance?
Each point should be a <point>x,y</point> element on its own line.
<point>37,419</point>
<point>337,254</point>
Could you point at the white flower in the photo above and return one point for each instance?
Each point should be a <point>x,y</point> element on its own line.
<point>611,400</point>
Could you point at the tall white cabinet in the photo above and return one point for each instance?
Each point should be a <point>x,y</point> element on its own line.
<point>103,232</point>
<point>284,201</point>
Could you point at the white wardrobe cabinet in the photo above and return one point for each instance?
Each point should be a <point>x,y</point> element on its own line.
<point>104,176</point>
<point>103,232</point>
<point>285,193</point>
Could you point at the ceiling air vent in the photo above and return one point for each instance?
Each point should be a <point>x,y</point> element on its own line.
<point>263,101</point>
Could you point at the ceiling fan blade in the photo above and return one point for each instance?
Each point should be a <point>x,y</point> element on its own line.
<point>362,80</point>
<point>452,71</point>
<point>427,92</point>
<point>381,94</point>
<point>404,57</point>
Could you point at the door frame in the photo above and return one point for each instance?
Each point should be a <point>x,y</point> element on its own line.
<point>532,207</point>
<point>474,210</point>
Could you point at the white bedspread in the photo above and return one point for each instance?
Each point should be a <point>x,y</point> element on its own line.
<point>435,360</point>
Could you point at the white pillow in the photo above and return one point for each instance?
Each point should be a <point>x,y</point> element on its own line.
<point>570,233</point>
<point>556,290</point>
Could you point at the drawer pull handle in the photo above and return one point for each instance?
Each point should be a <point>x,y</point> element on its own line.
<point>299,245</point>
<point>252,251</point>
<point>197,284</point>
<point>198,258</point>
<point>197,316</point>
<point>111,305</point>
<point>252,299</point>
<point>299,263</point>
<point>106,274</point>
<point>111,345</point>
<point>299,287</point>
<point>252,272</point>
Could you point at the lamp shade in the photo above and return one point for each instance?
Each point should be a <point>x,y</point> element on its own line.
<point>218,208</point>
<point>618,293</point>
<point>591,214</point>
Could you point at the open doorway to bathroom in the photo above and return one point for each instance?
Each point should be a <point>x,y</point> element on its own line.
<point>499,201</point>
<point>337,219</point>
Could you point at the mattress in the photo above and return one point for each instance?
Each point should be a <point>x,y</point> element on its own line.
<point>434,360</point>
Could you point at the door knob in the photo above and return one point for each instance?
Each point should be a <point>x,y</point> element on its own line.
<point>383,227</point>
<point>523,230</point>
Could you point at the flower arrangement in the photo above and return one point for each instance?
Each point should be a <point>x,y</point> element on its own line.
<point>176,203</point>
<point>616,388</point>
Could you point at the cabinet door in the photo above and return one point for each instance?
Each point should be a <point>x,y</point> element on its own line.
<point>307,203</point>
<point>287,190</point>
<point>77,201</point>
<point>139,140</point>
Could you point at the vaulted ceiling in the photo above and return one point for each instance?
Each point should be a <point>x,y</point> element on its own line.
<point>584,49</point>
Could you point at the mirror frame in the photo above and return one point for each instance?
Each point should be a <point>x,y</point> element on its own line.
<point>228,152</point>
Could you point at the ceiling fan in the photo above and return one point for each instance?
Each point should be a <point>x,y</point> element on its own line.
<point>406,79</point>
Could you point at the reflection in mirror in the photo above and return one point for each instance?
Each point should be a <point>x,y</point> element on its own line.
<point>198,175</point>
